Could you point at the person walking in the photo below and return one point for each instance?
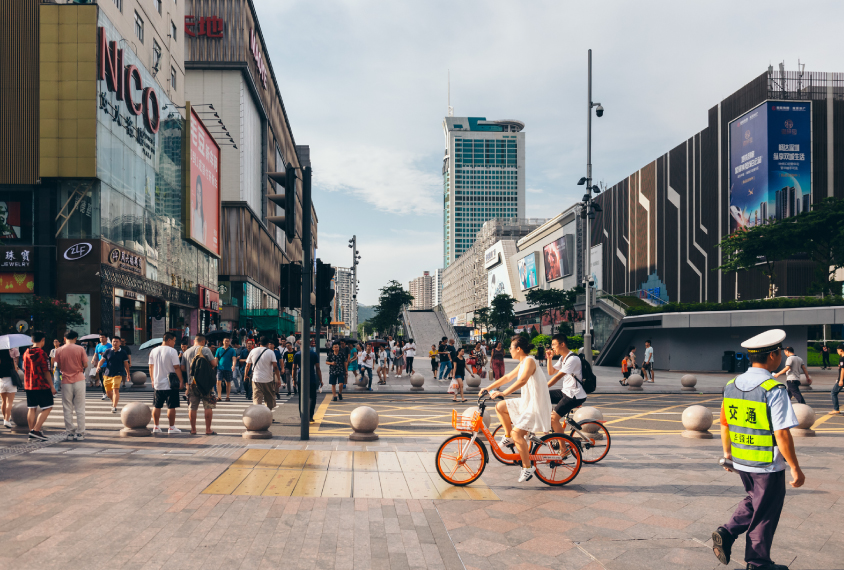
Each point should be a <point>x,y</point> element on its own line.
<point>38,383</point>
<point>72,359</point>
<point>366,366</point>
<point>398,361</point>
<point>237,377</point>
<point>198,365</point>
<point>445,361</point>
<point>54,366</point>
<point>631,359</point>
<point>756,416</point>
<point>540,355</point>
<point>383,365</point>
<point>839,384</point>
<point>648,362</point>
<point>226,357</point>
<point>125,348</point>
<point>458,374</point>
<point>103,345</point>
<point>434,355</point>
<point>825,356</point>
<point>409,354</point>
<point>312,382</point>
<point>289,379</point>
<point>262,366</point>
<point>625,371</point>
<point>247,382</point>
<point>336,370</point>
<point>115,367</point>
<point>8,388</point>
<point>497,362</point>
<point>167,380</point>
<point>479,367</point>
<point>793,366</point>
<point>353,361</point>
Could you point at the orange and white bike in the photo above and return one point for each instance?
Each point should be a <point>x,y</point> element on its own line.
<point>462,458</point>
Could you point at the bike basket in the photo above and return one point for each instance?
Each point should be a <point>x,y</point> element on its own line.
<point>465,423</point>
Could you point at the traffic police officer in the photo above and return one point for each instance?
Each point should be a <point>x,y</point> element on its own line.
<point>756,416</point>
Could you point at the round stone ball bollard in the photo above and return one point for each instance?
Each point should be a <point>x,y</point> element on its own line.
<point>257,421</point>
<point>416,382</point>
<point>467,414</point>
<point>697,420</point>
<point>589,413</point>
<point>804,384</point>
<point>364,421</point>
<point>19,411</point>
<point>805,420</point>
<point>635,383</point>
<point>689,381</point>
<point>472,383</point>
<point>138,379</point>
<point>135,417</point>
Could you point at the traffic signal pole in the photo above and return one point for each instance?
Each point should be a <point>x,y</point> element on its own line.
<point>307,276</point>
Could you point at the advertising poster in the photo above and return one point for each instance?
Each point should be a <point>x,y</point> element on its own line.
<point>556,258</point>
<point>596,261</point>
<point>84,302</point>
<point>17,282</point>
<point>527,272</point>
<point>770,163</point>
<point>10,220</point>
<point>498,282</point>
<point>202,211</point>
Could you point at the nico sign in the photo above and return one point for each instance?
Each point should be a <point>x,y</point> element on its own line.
<point>255,48</point>
<point>124,81</point>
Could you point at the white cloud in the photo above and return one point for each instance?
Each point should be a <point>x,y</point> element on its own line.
<point>534,190</point>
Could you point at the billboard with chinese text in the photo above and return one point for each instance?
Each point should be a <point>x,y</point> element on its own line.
<point>201,211</point>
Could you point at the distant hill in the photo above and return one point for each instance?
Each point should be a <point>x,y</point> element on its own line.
<point>365,312</point>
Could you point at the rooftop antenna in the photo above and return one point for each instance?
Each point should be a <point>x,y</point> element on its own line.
<point>801,67</point>
<point>782,78</point>
<point>450,108</point>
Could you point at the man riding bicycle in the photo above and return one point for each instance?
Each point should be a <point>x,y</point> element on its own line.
<point>572,394</point>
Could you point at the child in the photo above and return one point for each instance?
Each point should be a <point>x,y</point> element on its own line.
<point>625,371</point>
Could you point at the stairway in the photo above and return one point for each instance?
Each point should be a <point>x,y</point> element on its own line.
<point>427,328</point>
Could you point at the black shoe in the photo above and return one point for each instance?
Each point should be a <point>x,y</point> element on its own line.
<point>770,566</point>
<point>334,399</point>
<point>722,545</point>
<point>340,395</point>
<point>288,393</point>
<point>37,435</point>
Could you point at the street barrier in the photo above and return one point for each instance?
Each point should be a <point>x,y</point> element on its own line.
<point>805,420</point>
<point>689,381</point>
<point>257,421</point>
<point>635,383</point>
<point>135,417</point>
<point>364,421</point>
<point>697,420</point>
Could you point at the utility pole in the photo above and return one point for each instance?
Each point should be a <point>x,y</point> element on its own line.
<point>307,287</point>
<point>353,244</point>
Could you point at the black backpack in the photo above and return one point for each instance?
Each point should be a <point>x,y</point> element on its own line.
<point>203,373</point>
<point>590,381</point>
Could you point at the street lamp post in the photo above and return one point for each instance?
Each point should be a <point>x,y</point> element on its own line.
<point>353,244</point>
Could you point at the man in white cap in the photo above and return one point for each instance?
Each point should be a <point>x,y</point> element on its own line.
<point>756,416</point>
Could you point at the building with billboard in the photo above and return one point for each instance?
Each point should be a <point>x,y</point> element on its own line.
<point>229,71</point>
<point>483,178</point>
<point>422,289</point>
<point>344,300</point>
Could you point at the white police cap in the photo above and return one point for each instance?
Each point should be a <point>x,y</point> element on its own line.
<point>768,341</point>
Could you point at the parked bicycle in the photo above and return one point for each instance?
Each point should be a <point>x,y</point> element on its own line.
<point>462,458</point>
<point>591,436</point>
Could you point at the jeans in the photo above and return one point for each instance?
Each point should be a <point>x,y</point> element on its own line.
<point>793,387</point>
<point>363,372</point>
<point>409,364</point>
<point>73,399</point>
<point>237,380</point>
<point>445,369</point>
<point>835,389</point>
<point>825,356</point>
<point>57,380</point>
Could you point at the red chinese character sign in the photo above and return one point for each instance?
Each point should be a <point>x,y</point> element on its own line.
<point>201,211</point>
<point>211,27</point>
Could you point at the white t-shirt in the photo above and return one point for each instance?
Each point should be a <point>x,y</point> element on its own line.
<point>53,357</point>
<point>410,350</point>
<point>649,355</point>
<point>795,367</point>
<point>164,360</point>
<point>361,357</point>
<point>367,359</point>
<point>382,357</point>
<point>262,368</point>
<point>570,365</point>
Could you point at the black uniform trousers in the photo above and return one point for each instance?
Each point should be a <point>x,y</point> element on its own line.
<point>758,514</point>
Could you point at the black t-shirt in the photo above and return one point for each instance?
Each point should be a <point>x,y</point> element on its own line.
<point>459,368</point>
<point>840,367</point>
<point>443,348</point>
<point>336,363</point>
<point>452,352</point>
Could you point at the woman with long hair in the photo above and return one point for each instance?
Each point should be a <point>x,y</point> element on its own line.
<point>480,359</point>
<point>458,373</point>
<point>497,360</point>
<point>7,387</point>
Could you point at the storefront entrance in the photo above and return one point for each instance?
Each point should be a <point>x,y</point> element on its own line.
<point>130,316</point>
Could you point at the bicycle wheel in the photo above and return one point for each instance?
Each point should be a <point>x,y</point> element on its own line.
<point>565,464</point>
<point>499,431</point>
<point>598,443</point>
<point>461,461</point>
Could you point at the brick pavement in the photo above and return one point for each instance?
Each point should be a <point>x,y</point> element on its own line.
<point>652,504</point>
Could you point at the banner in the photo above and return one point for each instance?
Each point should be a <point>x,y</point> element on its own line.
<point>596,263</point>
<point>770,163</point>
<point>498,282</point>
<point>556,256</point>
<point>202,209</point>
<point>527,272</point>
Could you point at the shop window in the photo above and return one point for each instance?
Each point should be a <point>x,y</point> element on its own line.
<point>156,56</point>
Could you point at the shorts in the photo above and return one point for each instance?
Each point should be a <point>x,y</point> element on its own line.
<point>195,396</point>
<point>7,386</point>
<point>224,375</point>
<point>336,379</point>
<point>162,397</point>
<point>112,383</point>
<point>626,374</point>
<point>564,403</point>
<point>647,366</point>
<point>263,392</point>
<point>40,399</point>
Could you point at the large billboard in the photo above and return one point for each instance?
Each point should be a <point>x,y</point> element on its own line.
<point>556,257</point>
<point>770,163</point>
<point>201,210</point>
<point>498,282</point>
<point>527,272</point>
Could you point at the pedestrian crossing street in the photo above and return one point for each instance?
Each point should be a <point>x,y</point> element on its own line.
<point>227,415</point>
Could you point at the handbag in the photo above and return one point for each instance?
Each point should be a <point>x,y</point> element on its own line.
<point>452,388</point>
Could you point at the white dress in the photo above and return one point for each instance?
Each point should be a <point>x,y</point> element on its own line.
<point>532,411</point>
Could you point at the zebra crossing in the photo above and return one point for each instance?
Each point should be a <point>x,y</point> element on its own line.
<point>98,416</point>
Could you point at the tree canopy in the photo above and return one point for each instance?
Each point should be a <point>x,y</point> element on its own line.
<point>388,311</point>
<point>548,301</point>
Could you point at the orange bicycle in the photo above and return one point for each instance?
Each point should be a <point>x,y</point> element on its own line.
<point>462,458</point>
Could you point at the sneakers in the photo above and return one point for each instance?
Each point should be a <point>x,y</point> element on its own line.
<point>80,436</point>
<point>114,410</point>
<point>334,399</point>
<point>770,566</point>
<point>526,474</point>
<point>70,437</point>
<point>156,429</point>
<point>340,395</point>
<point>174,429</point>
<point>7,423</point>
<point>506,441</point>
<point>37,435</point>
<point>722,545</point>
<point>104,397</point>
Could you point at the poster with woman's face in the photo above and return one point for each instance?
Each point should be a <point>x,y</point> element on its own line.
<point>204,210</point>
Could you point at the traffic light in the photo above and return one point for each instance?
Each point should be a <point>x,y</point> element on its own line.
<point>324,292</point>
<point>286,199</point>
<point>291,285</point>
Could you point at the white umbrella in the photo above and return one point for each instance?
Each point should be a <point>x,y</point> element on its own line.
<point>8,341</point>
<point>152,343</point>
<point>90,337</point>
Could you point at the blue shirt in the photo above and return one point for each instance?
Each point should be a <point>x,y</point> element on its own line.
<point>297,360</point>
<point>101,348</point>
<point>782,415</point>
<point>224,358</point>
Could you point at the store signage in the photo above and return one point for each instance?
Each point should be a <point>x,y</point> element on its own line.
<point>210,27</point>
<point>15,258</point>
<point>129,295</point>
<point>180,282</point>
<point>78,251</point>
<point>124,260</point>
<point>209,300</point>
<point>120,80</point>
<point>255,48</point>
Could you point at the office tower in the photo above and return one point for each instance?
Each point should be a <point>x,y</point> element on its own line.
<point>483,178</point>
<point>343,301</point>
<point>422,290</point>
<point>437,286</point>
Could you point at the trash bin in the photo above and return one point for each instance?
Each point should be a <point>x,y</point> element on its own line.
<point>728,361</point>
<point>742,362</point>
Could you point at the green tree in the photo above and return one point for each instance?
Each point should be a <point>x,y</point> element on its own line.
<point>481,319</point>
<point>501,313</point>
<point>552,300</point>
<point>759,248</point>
<point>819,233</point>
<point>49,315</point>
<point>391,300</point>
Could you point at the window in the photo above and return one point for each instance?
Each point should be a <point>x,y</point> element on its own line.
<point>173,30</point>
<point>156,56</point>
<point>157,5</point>
<point>119,4</point>
<point>172,77</point>
<point>139,27</point>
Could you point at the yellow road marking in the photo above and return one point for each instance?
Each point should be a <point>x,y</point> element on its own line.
<point>421,486</point>
<point>255,482</point>
<point>282,483</point>
<point>367,485</point>
<point>273,459</point>
<point>318,460</point>
<point>446,490</point>
<point>635,416</point>
<point>310,484</point>
<point>250,458</point>
<point>227,482</point>
<point>823,419</point>
<point>365,461</point>
<point>295,459</point>
<point>341,461</point>
<point>338,484</point>
<point>320,411</point>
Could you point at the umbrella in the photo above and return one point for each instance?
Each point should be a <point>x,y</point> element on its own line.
<point>89,337</point>
<point>214,336</point>
<point>152,343</point>
<point>8,341</point>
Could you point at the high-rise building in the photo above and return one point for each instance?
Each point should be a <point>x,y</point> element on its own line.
<point>437,286</point>
<point>422,290</point>
<point>483,178</point>
<point>343,308</point>
<point>787,204</point>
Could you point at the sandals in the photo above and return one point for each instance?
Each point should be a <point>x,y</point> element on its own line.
<point>463,400</point>
<point>228,399</point>
<point>212,433</point>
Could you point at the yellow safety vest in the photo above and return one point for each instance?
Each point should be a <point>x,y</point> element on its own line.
<point>749,418</point>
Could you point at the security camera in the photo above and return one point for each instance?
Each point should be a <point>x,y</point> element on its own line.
<point>599,110</point>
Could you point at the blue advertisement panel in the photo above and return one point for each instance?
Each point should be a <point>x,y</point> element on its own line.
<point>527,272</point>
<point>770,163</point>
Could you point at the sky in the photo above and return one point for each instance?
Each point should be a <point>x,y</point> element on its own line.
<point>365,84</point>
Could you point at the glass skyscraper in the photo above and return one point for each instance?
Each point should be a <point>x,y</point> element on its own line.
<point>483,178</point>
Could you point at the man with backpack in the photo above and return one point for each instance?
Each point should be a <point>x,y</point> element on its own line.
<point>578,381</point>
<point>201,366</point>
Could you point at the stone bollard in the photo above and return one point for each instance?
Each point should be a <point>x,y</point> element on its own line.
<point>804,384</point>
<point>138,380</point>
<point>135,418</point>
<point>697,420</point>
<point>688,381</point>
<point>364,420</point>
<point>19,411</point>
<point>472,383</point>
<point>635,383</point>
<point>589,413</point>
<point>805,420</point>
<point>416,382</point>
<point>361,384</point>
<point>257,421</point>
<point>467,414</point>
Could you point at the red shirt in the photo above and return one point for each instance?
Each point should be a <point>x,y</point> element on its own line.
<point>36,370</point>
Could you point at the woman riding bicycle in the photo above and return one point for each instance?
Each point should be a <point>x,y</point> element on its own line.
<point>529,413</point>
<point>572,393</point>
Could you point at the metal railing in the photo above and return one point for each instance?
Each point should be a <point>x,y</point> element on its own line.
<point>446,325</point>
<point>646,296</point>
